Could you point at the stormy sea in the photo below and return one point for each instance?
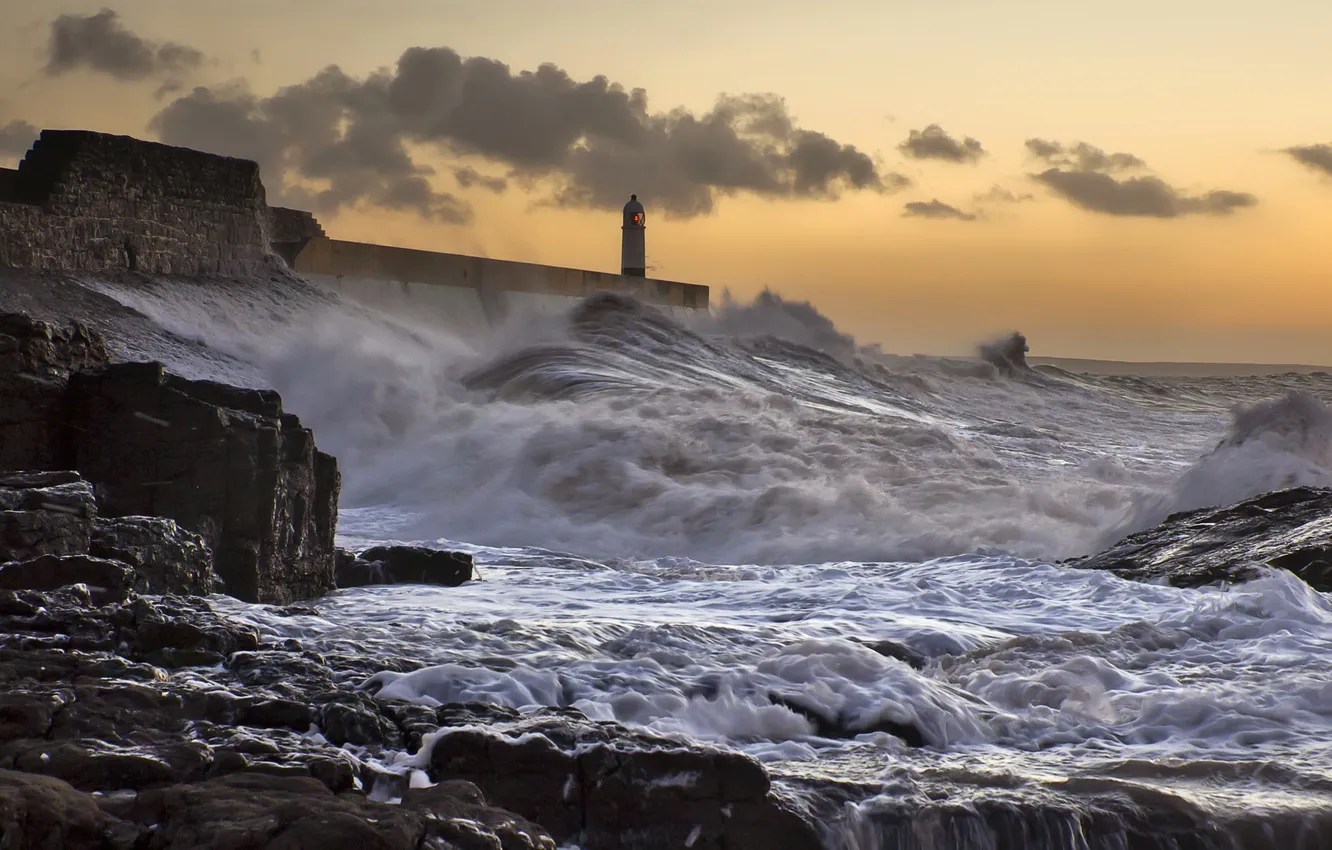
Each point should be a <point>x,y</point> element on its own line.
<point>746,530</point>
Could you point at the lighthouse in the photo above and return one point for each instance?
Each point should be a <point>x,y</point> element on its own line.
<point>633,251</point>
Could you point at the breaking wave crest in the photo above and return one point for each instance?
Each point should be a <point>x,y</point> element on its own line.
<point>761,434</point>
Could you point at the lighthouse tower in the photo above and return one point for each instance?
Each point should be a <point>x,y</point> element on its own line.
<point>633,253</point>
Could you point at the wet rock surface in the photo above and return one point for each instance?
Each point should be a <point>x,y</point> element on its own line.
<point>404,565</point>
<point>224,463</point>
<point>36,359</point>
<point>190,729</point>
<point>166,558</point>
<point>44,513</point>
<point>1287,529</point>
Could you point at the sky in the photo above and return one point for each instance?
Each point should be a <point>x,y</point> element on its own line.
<point>1147,181</point>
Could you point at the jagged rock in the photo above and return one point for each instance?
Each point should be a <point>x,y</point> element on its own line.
<point>183,631</point>
<point>111,579</point>
<point>166,558</point>
<point>36,359</point>
<point>222,461</point>
<point>290,813</point>
<point>1288,529</point>
<point>405,565</point>
<point>224,753</point>
<point>836,727</point>
<point>38,812</point>
<point>601,786</point>
<point>44,513</point>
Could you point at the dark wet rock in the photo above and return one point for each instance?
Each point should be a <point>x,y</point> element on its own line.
<point>893,649</point>
<point>405,565</point>
<point>285,673</point>
<point>166,558</point>
<point>183,631</point>
<point>190,729</point>
<point>1288,529</point>
<point>414,722</point>
<point>829,726</point>
<point>603,786</point>
<point>253,810</point>
<point>110,579</point>
<point>44,513</point>
<point>221,461</point>
<point>39,812</point>
<point>36,359</point>
<point>354,718</point>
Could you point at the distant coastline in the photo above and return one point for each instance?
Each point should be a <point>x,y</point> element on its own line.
<point>1159,369</point>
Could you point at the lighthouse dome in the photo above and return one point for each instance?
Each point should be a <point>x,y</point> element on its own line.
<point>634,214</point>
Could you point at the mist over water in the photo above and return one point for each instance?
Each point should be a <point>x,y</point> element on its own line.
<point>695,526</point>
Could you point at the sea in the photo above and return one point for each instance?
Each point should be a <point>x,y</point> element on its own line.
<point>701,526</point>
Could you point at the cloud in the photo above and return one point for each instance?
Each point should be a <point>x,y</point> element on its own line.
<point>999,195</point>
<point>1082,156</point>
<point>16,137</point>
<point>1084,175</point>
<point>577,143</point>
<point>308,157</point>
<point>934,143</point>
<point>101,43</point>
<point>1317,157</point>
<point>935,209</point>
<point>467,177</point>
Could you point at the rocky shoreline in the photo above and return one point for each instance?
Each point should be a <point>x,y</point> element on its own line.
<point>135,716</point>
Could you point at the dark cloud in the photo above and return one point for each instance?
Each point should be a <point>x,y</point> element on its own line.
<point>467,177</point>
<point>999,195</point>
<point>934,143</point>
<point>936,209</point>
<point>16,137</point>
<point>1082,156</point>
<point>1084,175</point>
<point>101,43</point>
<point>1317,157</point>
<point>580,143</point>
<point>1138,196</point>
<point>309,157</point>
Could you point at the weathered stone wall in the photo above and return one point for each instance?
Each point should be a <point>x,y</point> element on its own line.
<point>289,231</point>
<point>84,201</point>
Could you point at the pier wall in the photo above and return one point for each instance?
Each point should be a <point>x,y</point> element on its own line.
<point>91,202</point>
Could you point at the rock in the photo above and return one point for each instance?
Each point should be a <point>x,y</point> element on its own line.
<point>893,649</point>
<point>166,558</point>
<point>44,513</point>
<point>110,579</point>
<point>36,359</point>
<point>1288,529</point>
<point>40,812</point>
<point>828,726</point>
<point>183,631</point>
<point>602,786</point>
<point>221,461</point>
<point>254,810</point>
<point>405,565</point>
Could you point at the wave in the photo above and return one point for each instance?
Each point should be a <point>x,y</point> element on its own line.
<point>1272,445</point>
<point>759,434</point>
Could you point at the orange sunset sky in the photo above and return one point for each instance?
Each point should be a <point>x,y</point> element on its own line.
<point>1144,181</point>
